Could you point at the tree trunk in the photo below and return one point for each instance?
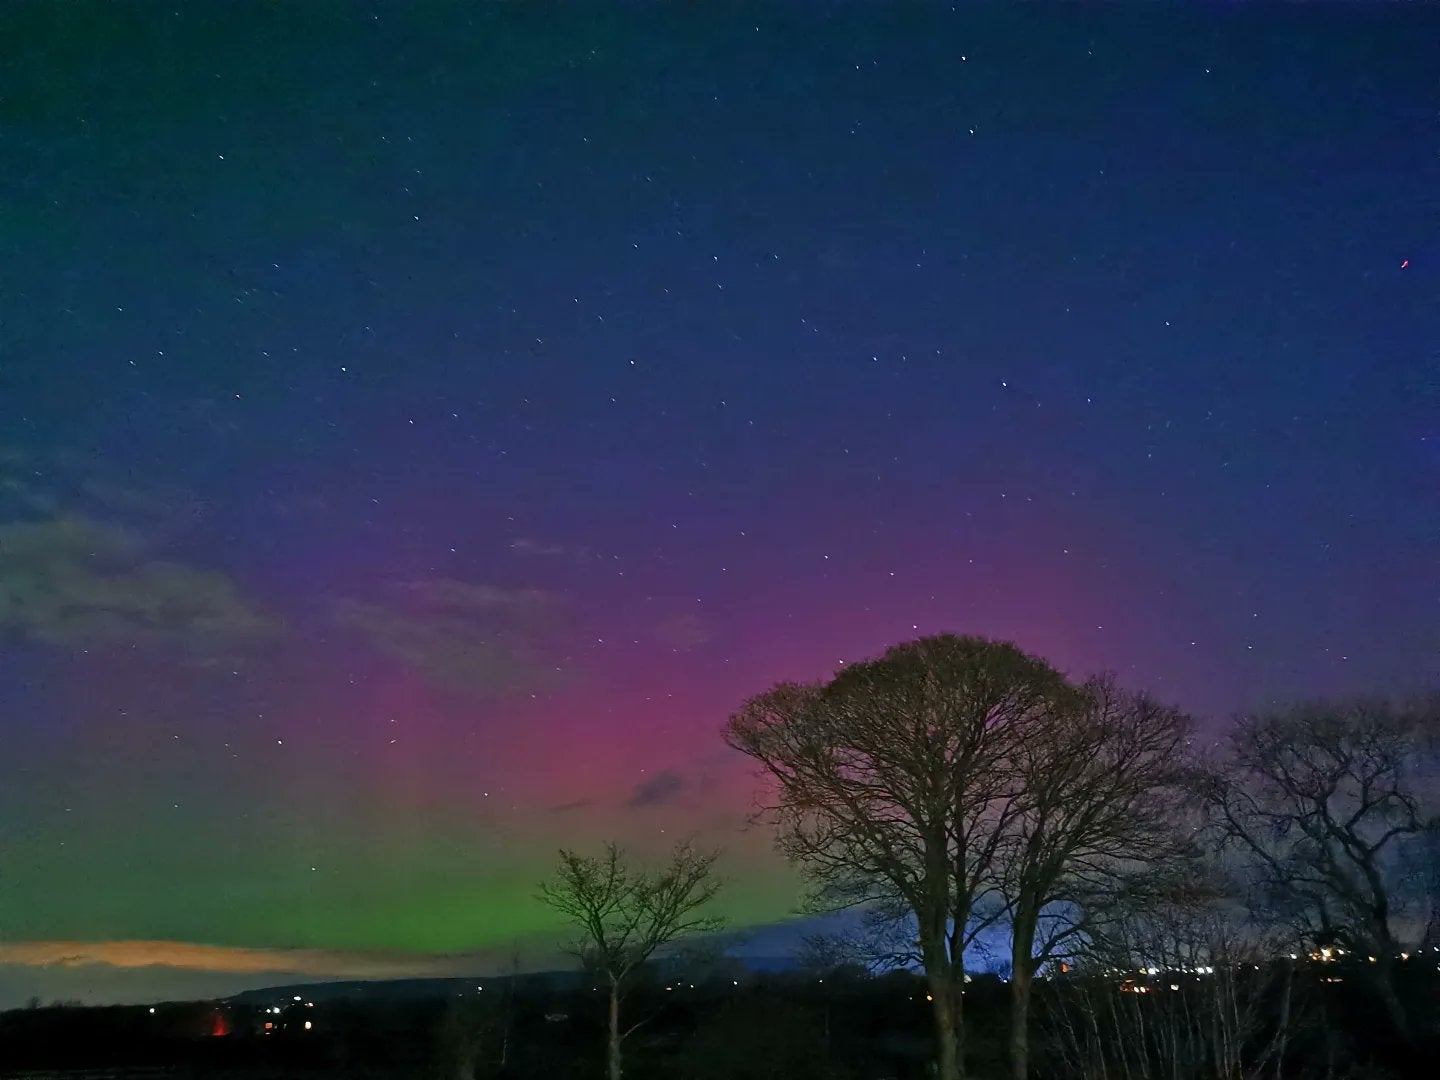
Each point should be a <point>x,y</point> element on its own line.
<point>505,1032</point>
<point>957,1008</point>
<point>613,1043</point>
<point>945,1005</point>
<point>1022,979</point>
<point>1385,989</point>
<point>1282,1035</point>
<point>1021,982</point>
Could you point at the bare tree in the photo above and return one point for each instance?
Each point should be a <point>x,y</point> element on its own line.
<point>1099,779</point>
<point>1321,802</point>
<point>1181,984</point>
<point>893,786</point>
<point>831,953</point>
<point>626,913</point>
<point>465,1026</point>
<point>507,1016</point>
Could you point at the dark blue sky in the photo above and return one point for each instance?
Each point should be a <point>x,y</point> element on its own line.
<point>495,396</point>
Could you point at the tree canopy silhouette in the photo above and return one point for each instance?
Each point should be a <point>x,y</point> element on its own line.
<point>896,784</point>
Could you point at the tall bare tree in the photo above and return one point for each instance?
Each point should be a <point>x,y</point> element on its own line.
<point>626,913</point>
<point>1321,802</point>
<point>893,784</point>
<point>1099,778</point>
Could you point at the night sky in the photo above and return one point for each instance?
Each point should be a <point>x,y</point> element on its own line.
<point>418,431</point>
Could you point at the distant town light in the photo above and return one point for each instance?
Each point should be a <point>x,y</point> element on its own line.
<point>152,1010</point>
<point>308,1025</point>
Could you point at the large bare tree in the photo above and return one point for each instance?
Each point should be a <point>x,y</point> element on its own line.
<point>1099,780</point>
<point>894,785</point>
<point>1331,807</point>
<point>626,913</point>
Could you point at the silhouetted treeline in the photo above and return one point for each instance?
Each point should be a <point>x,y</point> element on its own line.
<point>956,788</point>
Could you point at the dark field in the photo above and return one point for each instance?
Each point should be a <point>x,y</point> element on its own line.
<point>846,1027</point>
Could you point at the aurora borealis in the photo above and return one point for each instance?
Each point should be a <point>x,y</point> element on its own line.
<point>419,428</point>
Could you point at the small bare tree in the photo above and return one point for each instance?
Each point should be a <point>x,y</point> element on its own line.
<point>893,787</point>
<point>1319,802</point>
<point>465,1028</point>
<point>627,913</point>
<point>1100,785</point>
<point>1181,984</point>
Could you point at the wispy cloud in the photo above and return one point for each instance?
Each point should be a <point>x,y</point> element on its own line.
<point>531,548</point>
<point>481,639</point>
<point>685,631</point>
<point>106,972</point>
<point>658,790</point>
<point>77,583</point>
<point>571,807</point>
<point>55,483</point>
<point>219,958</point>
<point>523,545</point>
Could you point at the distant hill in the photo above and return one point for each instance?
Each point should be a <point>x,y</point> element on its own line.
<point>401,989</point>
<point>421,989</point>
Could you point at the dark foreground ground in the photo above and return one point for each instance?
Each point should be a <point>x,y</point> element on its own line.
<point>778,1027</point>
<point>790,1027</point>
